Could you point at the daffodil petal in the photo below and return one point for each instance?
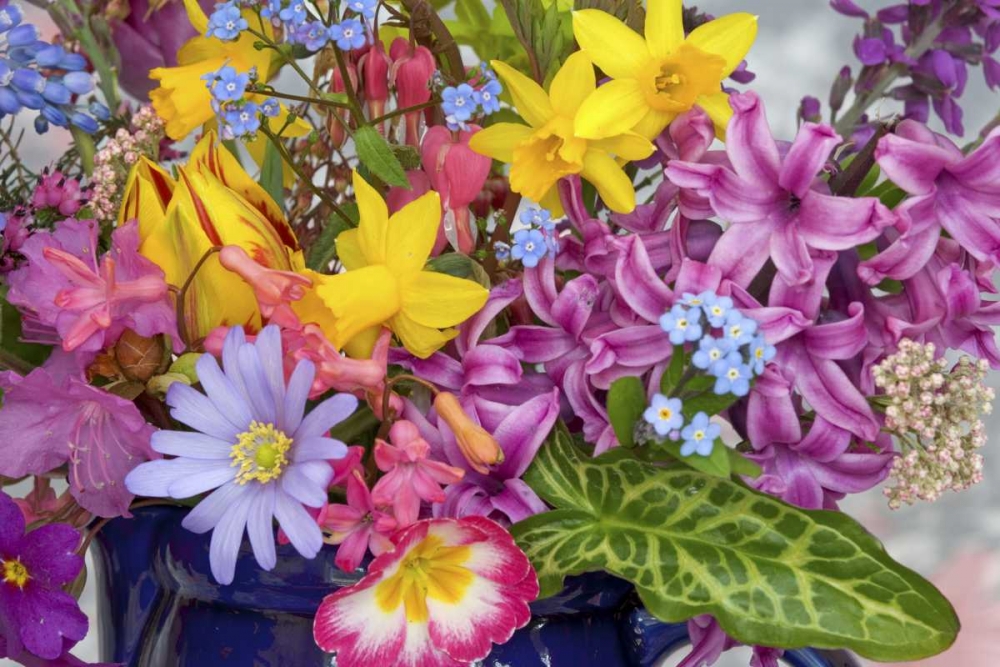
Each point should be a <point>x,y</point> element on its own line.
<point>361,346</point>
<point>374,226</point>
<point>718,109</point>
<point>530,99</point>
<point>412,232</point>
<point>439,300</point>
<point>729,37</point>
<point>612,45</point>
<point>499,140</point>
<point>196,15</point>
<point>421,341</point>
<point>349,250</point>
<point>553,203</point>
<point>631,146</point>
<point>571,85</point>
<point>614,186</point>
<point>612,109</point>
<point>653,123</point>
<point>359,300</point>
<point>664,27</point>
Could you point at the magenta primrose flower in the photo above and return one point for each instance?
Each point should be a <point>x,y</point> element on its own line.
<point>253,446</point>
<point>36,615</point>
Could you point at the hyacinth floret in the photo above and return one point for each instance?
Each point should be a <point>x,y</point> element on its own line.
<point>935,413</point>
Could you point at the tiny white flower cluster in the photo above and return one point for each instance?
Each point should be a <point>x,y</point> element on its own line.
<point>114,161</point>
<point>935,413</point>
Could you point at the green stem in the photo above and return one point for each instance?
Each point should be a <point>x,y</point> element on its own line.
<point>14,363</point>
<point>319,101</point>
<point>352,95</point>
<point>285,56</point>
<point>97,56</point>
<point>404,110</point>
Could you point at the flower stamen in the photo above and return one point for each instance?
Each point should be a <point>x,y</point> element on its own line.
<point>260,453</point>
<point>14,572</point>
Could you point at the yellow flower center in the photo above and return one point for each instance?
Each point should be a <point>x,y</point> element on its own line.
<point>260,453</point>
<point>553,151</point>
<point>759,353</point>
<point>14,572</point>
<point>429,570</point>
<point>675,83</point>
<point>666,414</point>
<point>698,435</point>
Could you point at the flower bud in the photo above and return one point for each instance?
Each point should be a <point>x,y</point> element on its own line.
<point>374,66</point>
<point>478,447</point>
<point>841,86</point>
<point>141,358</point>
<point>410,74</point>
<point>333,125</point>
<point>185,365</point>
<point>159,384</point>
<point>457,173</point>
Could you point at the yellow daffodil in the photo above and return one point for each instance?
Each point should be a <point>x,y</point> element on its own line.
<point>549,148</point>
<point>184,102</point>
<point>661,76</point>
<point>213,202</point>
<point>386,284</point>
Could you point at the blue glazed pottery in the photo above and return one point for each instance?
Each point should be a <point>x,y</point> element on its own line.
<point>160,607</point>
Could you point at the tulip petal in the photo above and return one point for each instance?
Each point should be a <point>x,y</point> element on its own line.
<point>611,181</point>
<point>612,109</point>
<point>729,36</point>
<point>530,100</point>
<point>664,27</point>
<point>614,47</point>
<point>571,85</point>
<point>439,300</point>
<point>422,341</point>
<point>373,230</point>
<point>411,233</point>
<point>499,140</point>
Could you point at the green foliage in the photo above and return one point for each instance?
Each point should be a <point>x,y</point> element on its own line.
<point>626,403</point>
<point>545,32</point>
<point>692,544</point>
<point>271,174</point>
<point>674,372</point>
<point>631,12</point>
<point>376,154</point>
<point>15,355</point>
<point>489,35</point>
<point>324,249</point>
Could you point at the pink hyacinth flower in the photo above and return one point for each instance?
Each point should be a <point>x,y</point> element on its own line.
<point>412,476</point>
<point>274,289</point>
<point>358,527</point>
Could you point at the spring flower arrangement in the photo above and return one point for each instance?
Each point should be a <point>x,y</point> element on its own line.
<point>465,330</point>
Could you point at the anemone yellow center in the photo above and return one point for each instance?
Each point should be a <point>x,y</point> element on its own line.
<point>430,570</point>
<point>553,151</point>
<point>14,572</point>
<point>260,453</point>
<point>674,83</point>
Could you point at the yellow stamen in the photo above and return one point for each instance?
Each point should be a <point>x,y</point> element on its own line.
<point>260,453</point>
<point>666,414</point>
<point>429,570</point>
<point>14,572</point>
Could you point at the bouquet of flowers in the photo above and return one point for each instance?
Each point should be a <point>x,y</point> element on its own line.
<point>307,271</point>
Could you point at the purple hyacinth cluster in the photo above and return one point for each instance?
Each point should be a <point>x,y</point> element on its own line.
<point>920,53</point>
<point>42,77</point>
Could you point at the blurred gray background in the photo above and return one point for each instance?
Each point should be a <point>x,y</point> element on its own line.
<point>800,47</point>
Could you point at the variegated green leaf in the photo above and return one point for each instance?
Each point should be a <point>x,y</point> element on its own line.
<point>693,544</point>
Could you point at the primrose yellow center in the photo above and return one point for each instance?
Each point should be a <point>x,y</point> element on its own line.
<point>674,83</point>
<point>14,572</point>
<point>430,570</point>
<point>553,151</point>
<point>666,414</point>
<point>260,453</point>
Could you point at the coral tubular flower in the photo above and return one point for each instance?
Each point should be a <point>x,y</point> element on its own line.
<point>662,75</point>
<point>479,448</point>
<point>549,148</point>
<point>253,447</point>
<point>386,283</point>
<point>449,590</point>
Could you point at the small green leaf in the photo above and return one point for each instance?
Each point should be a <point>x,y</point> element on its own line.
<point>271,174</point>
<point>453,264</point>
<point>626,403</point>
<point>741,465</point>
<point>675,371</point>
<point>324,249</point>
<point>770,573</point>
<point>85,148</point>
<point>708,402</point>
<point>376,154</point>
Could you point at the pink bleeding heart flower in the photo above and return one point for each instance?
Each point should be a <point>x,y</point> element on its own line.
<point>374,67</point>
<point>457,173</point>
<point>447,592</point>
<point>410,74</point>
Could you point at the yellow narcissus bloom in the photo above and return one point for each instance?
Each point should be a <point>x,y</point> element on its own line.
<point>213,202</point>
<point>386,284</point>
<point>548,148</point>
<point>184,102</point>
<point>663,75</point>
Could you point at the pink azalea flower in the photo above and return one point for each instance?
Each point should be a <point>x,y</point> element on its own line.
<point>449,590</point>
<point>91,301</point>
<point>101,437</point>
<point>411,475</point>
<point>358,527</point>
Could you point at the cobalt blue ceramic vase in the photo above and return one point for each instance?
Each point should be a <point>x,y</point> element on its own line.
<point>159,606</point>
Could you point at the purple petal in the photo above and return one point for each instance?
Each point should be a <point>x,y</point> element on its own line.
<point>858,220</point>
<point>317,448</point>
<point>573,306</point>
<point>635,347</point>
<point>973,229</point>
<point>518,501</point>
<point>190,444</point>
<point>790,254</point>
<point>307,482</point>
<point>325,416</point>
<point>523,431</point>
<point>193,408</point>
<point>261,396</point>
<point>536,344</point>
<point>733,198</point>
<point>48,618</point>
<point>637,283</point>
<point>299,386</point>
<point>491,364</point>
<point>500,297</point>
<point>235,339</point>
<point>824,442</point>
<point>911,251</point>
<point>206,514</point>
<point>223,393</point>
<point>832,395</point>
<point>742,251</point>
<point>981,169</point>
<point>771,416</point>
<point>209,475</point>
<point>227,538</point>
<point>154,478</point>
<point>540,289</point>
<point>299,526</point>
<point>696,277</point>
<point>839,340</point>
<point>809,152</point>
<point>11,524</point>
<point>438,368</point>
<point>260,527</point>
<point>848,8</point>
<point>749,144</point>
<point>910,164</point>
<point>268,344</point>
<point>49,553</point>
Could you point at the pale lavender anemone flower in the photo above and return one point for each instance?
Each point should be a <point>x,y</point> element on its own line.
<point>780,209</point>
<point>253,447</point>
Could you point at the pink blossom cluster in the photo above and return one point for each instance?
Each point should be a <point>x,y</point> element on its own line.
<point>115,160</point>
